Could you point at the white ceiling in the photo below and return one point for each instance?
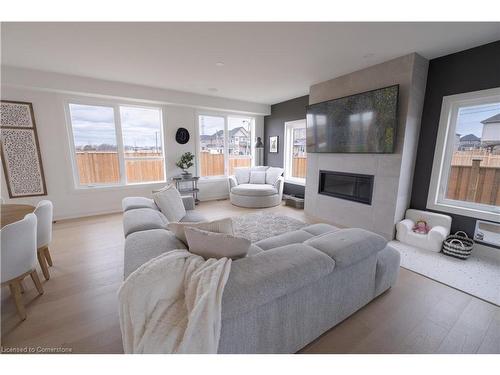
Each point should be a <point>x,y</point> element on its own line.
<point>263,62</point>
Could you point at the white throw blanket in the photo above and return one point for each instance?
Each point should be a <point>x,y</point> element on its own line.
<point>172,304</point>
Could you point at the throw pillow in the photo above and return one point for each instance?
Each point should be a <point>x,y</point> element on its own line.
<point>164,188</point>
<point>272,175</point>
<point>257,177</point>
<point>259,168</point>
<point>217,226</point>
<point>242,175</point>
<point>169,202</point>
<point>216,245</point>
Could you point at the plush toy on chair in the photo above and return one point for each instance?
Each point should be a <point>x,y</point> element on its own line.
<point>423,229</point>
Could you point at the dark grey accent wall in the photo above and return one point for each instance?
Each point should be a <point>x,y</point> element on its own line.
<point>274,124</point>
<point>471,70</point>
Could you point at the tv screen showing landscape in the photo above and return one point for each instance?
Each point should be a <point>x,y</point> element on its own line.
<point>361,123</point>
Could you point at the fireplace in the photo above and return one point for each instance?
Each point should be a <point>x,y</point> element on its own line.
<point>349,186</point>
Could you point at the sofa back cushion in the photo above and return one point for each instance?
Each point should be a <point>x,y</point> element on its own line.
<point>169,201</point>
<point>142,219</point>
<point>348,246</point>
<point>217,226</point>
<point>261,278</point>
<point>257,177</point>
<point>259,168</point>
<point>272,175</point>
<point>216,245</point>
<point>242,175</point>
<point>141,247</point>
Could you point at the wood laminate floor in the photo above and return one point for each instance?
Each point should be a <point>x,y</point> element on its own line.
<point>78,311</point>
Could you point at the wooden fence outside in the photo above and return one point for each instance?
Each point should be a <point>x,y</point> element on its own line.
<point>464,158</point>
<point>299,167</point>
<point>96,167</point>
<point>213,164</point>
<point>474,184</point>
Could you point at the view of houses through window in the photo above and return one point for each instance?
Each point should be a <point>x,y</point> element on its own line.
<point>102,158</point>
<point>225,143</point>
<point>474,171</point>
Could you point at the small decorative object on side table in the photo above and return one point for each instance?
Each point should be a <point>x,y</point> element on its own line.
<point>191,189</point>
<point>184,163</point>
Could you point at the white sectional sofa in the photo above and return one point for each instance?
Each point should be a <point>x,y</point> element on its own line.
<point>289,289</point>
<point>256,187</point>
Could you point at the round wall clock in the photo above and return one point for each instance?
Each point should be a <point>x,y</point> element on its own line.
<point>182,136</point>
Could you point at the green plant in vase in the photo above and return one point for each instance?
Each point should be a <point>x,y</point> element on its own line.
<point>185,162</point>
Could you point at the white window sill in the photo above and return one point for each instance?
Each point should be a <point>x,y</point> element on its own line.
<point>295,182</point>
<point>86,189</point>
<point>475,213</point>
<point>212,179</point>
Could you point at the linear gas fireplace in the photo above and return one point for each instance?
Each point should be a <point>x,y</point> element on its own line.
<point>349,186</point>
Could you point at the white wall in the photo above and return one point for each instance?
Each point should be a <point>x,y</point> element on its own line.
<point>48,92</point>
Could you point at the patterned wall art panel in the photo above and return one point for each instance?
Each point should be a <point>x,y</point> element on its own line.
<point>21,161</point>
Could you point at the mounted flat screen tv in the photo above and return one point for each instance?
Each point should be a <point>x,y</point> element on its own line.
<point>361,123</point>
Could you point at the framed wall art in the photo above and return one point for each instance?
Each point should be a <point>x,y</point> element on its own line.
<point>20,151</point>
<point>273,144</point>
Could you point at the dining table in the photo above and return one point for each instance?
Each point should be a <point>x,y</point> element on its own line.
<point>10,213</point>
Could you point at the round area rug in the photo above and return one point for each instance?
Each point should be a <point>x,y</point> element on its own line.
<point>260,225</point>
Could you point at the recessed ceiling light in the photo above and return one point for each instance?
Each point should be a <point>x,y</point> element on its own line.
<point>212,89</point>
<point>219,63</point>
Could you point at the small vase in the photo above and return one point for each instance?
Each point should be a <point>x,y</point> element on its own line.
<point>186,174</point>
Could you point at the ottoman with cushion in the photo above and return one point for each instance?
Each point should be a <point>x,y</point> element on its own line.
<point>256,187</point>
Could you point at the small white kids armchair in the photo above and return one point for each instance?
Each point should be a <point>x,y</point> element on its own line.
<point>43,212</point>
<point>439,229</point>
<point>18,258</point>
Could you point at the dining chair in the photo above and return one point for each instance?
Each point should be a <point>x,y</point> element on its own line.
<point>43,212</point>
<point>18,258</point>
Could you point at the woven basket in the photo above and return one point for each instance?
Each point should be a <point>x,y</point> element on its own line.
<point>458,245</point>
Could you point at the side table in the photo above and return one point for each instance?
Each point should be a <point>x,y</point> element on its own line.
<point>187,186</point>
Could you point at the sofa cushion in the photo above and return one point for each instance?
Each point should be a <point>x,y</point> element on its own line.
<point>296,236</point>
<point>141,247</point>
<point>218,226</point>
<point>216,245</point>
<point>169,201</point>
<point>192,217</point>
<point>131,203</point>
<point>259,168</point>
<point>254,250</point>
<point>321,228</point>
<point>259,279</point>
<point>257,177</point>
<point>242,175</point>
<point>143,219</point>
<point>272,175</point>
<point>348,246</point>
<point>254,190</point>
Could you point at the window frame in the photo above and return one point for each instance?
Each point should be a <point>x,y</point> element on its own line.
<point>288,149</point>
<point>115,105</point>
<point>226,117</point>
<point>443,152</point>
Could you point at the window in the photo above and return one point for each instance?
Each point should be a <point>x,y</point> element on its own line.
<point>466,167</point>
<point>295,151</point>
<point>116,145</point>
<point>225,143</point>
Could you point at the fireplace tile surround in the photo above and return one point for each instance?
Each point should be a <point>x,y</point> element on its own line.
<point>392,173</point>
